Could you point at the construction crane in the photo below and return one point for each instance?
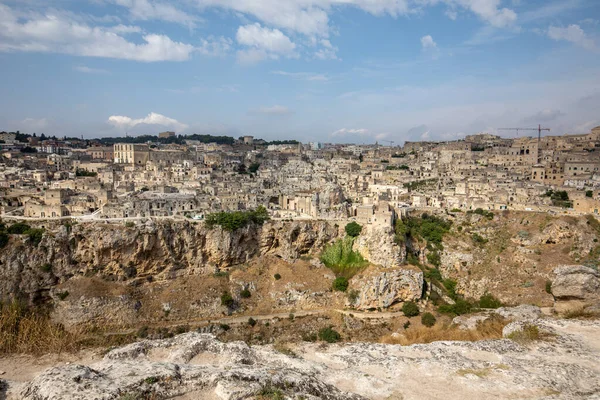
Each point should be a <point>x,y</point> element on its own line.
<point>391,142</point>
<point>539,129</point>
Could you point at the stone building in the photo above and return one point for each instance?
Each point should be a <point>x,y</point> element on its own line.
<point>133,154</point>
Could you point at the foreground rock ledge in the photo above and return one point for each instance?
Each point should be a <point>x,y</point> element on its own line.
<point>199,366</point>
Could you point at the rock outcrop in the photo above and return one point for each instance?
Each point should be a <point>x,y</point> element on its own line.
<point>197,365</point>
<point>383,287</point>
<point>576,288</point>
<point>377,245</point>
<point>155,249</point>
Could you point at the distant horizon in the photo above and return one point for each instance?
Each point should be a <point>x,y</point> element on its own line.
<point>383,143</point>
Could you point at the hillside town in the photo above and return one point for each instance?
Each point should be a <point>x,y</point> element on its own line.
<point>173,176</point>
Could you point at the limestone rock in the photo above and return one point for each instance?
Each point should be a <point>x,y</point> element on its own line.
<point>376,244</point>
<point>382,287</point>
<point>470,321</point>
<point>198,366</point>
<point>524,312</point>
<point>575,288</point>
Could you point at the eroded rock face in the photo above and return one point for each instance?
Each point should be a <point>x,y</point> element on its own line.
<point>161,250</point>
<point>377,245</point>
<point>199,366</point>
<point>382,287</point>
<point>576,288</point>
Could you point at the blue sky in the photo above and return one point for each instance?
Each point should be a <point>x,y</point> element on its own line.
<point>313,70</point>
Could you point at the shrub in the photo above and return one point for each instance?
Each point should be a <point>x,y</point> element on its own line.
<point>227,300</point>
<point>353,229</point>
<point>450,286</point>
<point>63,295</point>
<point>589,193</point>
<point>410,309</point>
<point>460,307</point>
<point>434,274</point>
<point>340,284</point>
<point>18,229</point>
<point>549,287</point>
<point>129,224</point>
<point>35,235</point>
<point>230,221</point>
<point>245,294</point>
<point>406,325</point>
<point>251,321</point>
<point>46,267</point>
<point>489,301</point>
<point>341,259</point>
<point>277,277</point>
<point>454,210</point>
<point>3,239</point>
<point>478,239</point>
<point>225,327</point>
<point>428,319</point>
<point>434,258</point>
<point>528,334</point>
<point>353,296</point>
<point>143,332</point>
<point>329,335</point>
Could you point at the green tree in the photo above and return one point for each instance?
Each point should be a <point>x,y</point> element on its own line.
<point>254,167</point>
<point>410,309</point>
<point>353,229</point>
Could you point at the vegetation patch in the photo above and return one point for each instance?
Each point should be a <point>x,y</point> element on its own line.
<point>329,335</point>
<point>489,301</point>
<point>24,330</point>
<point>428,319</point>
<point>231,221</point>
<point>528,334</point>
<point>341,259</point>
<point>353,229</point>
<point>410,309</point>
<point>489,329</point>
<point>340,284</point>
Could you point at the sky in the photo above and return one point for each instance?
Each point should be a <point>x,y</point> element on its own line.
<point>349,71</point>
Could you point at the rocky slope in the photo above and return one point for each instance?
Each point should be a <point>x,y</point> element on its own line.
<point>563,366</point>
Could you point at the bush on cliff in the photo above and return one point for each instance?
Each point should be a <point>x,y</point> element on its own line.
<point>427,227</point>
<point>329,335</point>
<point>340,284</point>
<point>353,229</point>
<point>341,259</point>
<point>230,221</point>
<point>410,309</point>
<point>428,319</point>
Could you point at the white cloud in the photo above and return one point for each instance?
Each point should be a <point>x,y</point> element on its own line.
<point>327,51</point>
<point>155,10</point>
<point>489,11</point>
<point>427,43</point>
<point>124,29</point>
<point>123,122</point>
<point>273,110</point>
<point>346,132</point>
<point>572,33</point>
<point>311,17</point>
<point>88,70</point>
<point>215,46</point>
<point>263,43</point>
<point>54,33</point>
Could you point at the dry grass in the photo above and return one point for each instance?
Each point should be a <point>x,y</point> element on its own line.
<point>25,331</point>
<point>580,313</point>
<point>490,329</point>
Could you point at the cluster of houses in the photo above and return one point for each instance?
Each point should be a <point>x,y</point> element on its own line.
<point>371,184</point>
